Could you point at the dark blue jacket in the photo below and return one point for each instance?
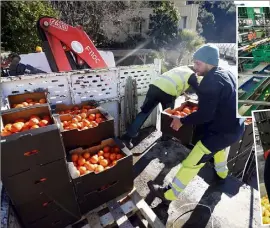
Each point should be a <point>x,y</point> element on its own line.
<point>217,102</point>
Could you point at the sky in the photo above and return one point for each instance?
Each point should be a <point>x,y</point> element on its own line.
<point>254,3</point>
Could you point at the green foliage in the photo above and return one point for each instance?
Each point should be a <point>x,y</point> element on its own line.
<point>216,20</point>
<point>164,25</point>
<point>19,19</point>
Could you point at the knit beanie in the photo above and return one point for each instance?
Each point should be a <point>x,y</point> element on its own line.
<point>208,53</point>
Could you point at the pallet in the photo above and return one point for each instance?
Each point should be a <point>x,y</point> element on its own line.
<point>126,211</point>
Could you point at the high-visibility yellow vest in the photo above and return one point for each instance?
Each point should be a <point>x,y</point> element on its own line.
<point>174,81</point>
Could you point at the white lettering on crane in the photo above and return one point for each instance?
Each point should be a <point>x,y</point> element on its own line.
<point>92,54</point>
<point>58,24</point>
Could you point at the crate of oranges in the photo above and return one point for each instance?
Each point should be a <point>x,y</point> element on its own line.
<point>91,126</point>
<point>184,134</point>
<point>27,100</point>
<point>84,107</point>
<point>30,135</point>
<point>100,173</point>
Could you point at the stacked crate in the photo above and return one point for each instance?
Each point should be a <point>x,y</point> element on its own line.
<point>92,188</point>
<point>34,171</point>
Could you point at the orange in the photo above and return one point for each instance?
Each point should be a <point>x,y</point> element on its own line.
<point>26,126</point>
<point>8,127</point>
<point>86,123</point>
<point>78,172</point>
<point>5,133</point>
<point>104,162</point>
<point>35,117</point>
<point>33,121</point>
<point>100,153</point>
<point>106,155</point>
<point>46,118</point>
<point>183,114</point>
<point>43,123</point>
<point>99,120</point>
<point>170,111</point>
<point>19,120</point>
<point>186,110</point>
<point>116,149</point>
<point>16,127</point>
<point>99,169</point>
<point>74,157</point>
<point>82,170</point>
<point>92,117</point>
<point>19,106</point>
<point>65,123</point>
<point>114,163</point>
<point>74,120</point>
<point>78,117</point>
<point>79,125</point>
<point>73,126</point>
<point>100,158</point>
<point>119,156</point>
<point>81,161</point>
<point>106,149</point>
<point>34,127</point>
<point>25,104</point>
<point>84,110</point>
<point>94,159</point>
<point>99,115</point>
<point>94,124</point>
<point>86,155</point>
<point>84,128</point>
<point>83,115</point>
<point>67,111</point>
<point>113,156</point>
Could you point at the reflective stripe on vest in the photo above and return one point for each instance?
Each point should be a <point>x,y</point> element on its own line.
<point>178,183</point>
<point>175,192</point>
<point>221,166</point>
<point>175,84</point>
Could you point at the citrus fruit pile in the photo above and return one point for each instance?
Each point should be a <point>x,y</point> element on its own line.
<point>83,121</point>
<point>186,111</point>
<point>98,162</point>
<point>76,110</point>
<point>265,210</point>
<point>22,125</point>
<point>29,102</point>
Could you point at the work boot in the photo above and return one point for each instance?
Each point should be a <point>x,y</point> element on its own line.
<point>159,191</point>
<point>127,141</point>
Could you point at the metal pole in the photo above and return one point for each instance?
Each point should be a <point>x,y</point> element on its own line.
<point>250,102</point>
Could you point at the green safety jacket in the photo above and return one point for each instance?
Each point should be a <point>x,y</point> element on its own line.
<point>175,81</point>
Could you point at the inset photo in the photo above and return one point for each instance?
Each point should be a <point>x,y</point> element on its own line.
<point>261,132</point>
<point>253,59</point>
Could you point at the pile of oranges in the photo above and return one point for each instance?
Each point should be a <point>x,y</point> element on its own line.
<point>186,111</point>
<point>29,102</point>
<point>83,121</point>
<point>76,110</point>
<point>86,162</point>
<point>21,125</point>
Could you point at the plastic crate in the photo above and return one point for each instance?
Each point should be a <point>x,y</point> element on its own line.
<point>251,65</point>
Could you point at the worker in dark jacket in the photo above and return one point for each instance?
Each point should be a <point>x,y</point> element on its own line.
<point>216,116</point>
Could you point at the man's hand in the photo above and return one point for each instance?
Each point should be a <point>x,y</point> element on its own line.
<point>176,123</point>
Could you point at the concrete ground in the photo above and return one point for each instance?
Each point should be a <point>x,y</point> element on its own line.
<point>205,202</point>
